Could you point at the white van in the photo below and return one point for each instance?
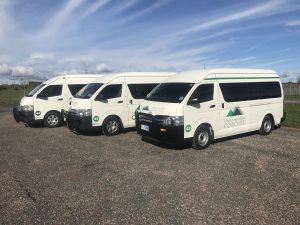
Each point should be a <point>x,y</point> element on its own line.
<point>47,101</point>
<point>204,105</point>
<point>110,102</point>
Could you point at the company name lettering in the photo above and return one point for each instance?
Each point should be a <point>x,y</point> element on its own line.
<point>234,122</point>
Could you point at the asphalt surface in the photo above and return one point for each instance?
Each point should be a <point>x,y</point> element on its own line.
<point>53,176</point>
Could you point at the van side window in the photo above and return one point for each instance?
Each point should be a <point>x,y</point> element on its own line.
<point>140,91</point>
<point>235,92</point>
<point>110,91</point>
<point>74,88</point>
<point>204,93</point>
<point>51,91</point>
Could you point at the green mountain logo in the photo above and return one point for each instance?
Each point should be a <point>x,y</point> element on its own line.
<point>236,112</point>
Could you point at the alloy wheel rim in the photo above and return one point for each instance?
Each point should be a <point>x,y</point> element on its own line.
<point>203,138</point>
<point>112,127</point>
<point>267,126</point>
<point>52,120</point>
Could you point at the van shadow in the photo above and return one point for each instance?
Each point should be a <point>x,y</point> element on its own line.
<point>98,132</point>
<point>41,125</point>
<point>35,125</point>
<point>167,146</point>
<point>235,137</point>
<point>188,145</point>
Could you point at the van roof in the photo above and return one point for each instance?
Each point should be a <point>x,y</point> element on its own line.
<point>108,77</point>
<point>196,76</point>
<point>69,76</point>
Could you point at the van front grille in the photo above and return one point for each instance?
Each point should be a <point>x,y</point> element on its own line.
<point>159,119</point>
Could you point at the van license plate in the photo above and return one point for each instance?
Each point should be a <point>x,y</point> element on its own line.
<point>144,127</point>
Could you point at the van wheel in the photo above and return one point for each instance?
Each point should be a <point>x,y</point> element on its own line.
<point>112,126</point>
<point>52,119</point>
<point>266,126</point>
<point>202,137</point>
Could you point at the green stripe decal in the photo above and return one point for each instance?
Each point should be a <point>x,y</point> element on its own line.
<point>239,78</point>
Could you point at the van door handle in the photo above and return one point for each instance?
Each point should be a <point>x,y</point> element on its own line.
<point>120,101</point>
<point>223,105</point>
<point>60,99</point>
<point>130,101</point>
<point>212,106</point>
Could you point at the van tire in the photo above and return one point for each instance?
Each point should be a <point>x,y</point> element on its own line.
<point>112,125</point>
<point>266,126</point>
<point>52,119</point>
<point>202,137</point>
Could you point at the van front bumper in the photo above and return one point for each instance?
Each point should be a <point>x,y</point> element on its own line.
<point>75,122</point>
<point>173,135</point>
<point>23,116</point>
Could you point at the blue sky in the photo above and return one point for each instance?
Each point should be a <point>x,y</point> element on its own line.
<point>40,38</point>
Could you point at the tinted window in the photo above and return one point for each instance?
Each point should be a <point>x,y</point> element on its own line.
<point>204,93</point>
<point>50,91</point>
<point>110,91</point>
<point>234,92</point>
<point>74,88</point>
<point>140,91</point>
<point>88,90</point>
<point>169,92</point>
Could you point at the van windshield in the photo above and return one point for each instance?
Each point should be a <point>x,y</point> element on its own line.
<point>35,90</point>
<point>169,92</point>
<point>88,90</point>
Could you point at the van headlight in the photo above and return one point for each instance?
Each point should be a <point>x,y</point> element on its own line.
<point>84,112</point>
<point>173,121</point>
<point>26,108</point>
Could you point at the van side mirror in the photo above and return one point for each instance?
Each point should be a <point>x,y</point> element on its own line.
<point>193,101</point>
<point>39,96</point>
<point>100,98</point>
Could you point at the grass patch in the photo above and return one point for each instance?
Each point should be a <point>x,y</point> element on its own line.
<point>292,96</point>
<point>11,96</point>
<point>293,115</point>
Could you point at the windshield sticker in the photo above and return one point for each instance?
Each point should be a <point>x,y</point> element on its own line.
<point>180,98</point>
<point>188,128</point>
<point>96,118</point>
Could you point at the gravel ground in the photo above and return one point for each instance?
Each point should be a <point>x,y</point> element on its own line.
<point>53,176</point>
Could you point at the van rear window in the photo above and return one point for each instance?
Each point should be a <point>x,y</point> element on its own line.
<point>236,92</point>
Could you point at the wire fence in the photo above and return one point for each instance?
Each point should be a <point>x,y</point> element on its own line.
<point>291,89</point>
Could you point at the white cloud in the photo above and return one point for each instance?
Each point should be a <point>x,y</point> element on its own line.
<point>19,71</point>
<point>95,6</point>
<point>292,23</point>
<point>152,7</point>
<point>126,5</point>
<point>22,71</point>
<point>66,72</point>
<point>103,68</point>
<point>38,56</point>
<point>261,10</point>
<point>59,20</point>
<point>5,70</point>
